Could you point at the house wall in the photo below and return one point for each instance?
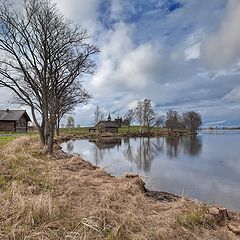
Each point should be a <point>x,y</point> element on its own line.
<point>22,124</point>
<point>106,129</point>
<point>7,126</point>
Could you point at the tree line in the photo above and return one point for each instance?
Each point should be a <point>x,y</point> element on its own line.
<point>145,115</point>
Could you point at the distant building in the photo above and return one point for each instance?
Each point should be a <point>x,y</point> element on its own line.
<point>14,120</point>
<point>107,126</point>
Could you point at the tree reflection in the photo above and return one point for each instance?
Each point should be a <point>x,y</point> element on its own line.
<point>145,153</point>
<point>70,146</point>
<point>192,145</point>
<point>142,151</point>
<point>98,154</point>
<point>172,146</point>
<point>189,145</point>
<point>103,145</point>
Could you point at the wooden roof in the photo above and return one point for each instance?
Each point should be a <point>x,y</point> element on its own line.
<point>13,115</point>
<point>109,124</point>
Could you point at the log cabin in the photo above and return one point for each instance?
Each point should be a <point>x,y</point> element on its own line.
<point>14,120</point>
<point>108,126</point>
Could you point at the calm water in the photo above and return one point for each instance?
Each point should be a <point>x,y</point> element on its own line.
<point>206,167</point>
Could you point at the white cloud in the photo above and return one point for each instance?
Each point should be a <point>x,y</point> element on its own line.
<point>123,64</point>
<point>233,95</point>
<point>222,49</point>
<point>81,12</point>
<point>193,52</point>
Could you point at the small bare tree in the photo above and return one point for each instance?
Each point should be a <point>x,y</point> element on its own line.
<point>172,120</point>
<point>139,114</point>
<point>148,112</point>
<point>129,116</point>
<point>145,114</point>
<point>70,122</point>
<point>98,115</point>
<point>192,121</point>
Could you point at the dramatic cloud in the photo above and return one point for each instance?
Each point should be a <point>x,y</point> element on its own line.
<point>125,65</point>
<point>222,48</point>
<point>181,54</point>
<point>81,12</point>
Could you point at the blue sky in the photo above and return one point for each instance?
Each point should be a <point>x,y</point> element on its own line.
<point>183,55</point>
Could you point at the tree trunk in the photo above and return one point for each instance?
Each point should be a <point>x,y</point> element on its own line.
<point>58,126</point>
<point>50,138</point>
<point>39,129</point>
<point>148,129</point>
<point>50,142</point>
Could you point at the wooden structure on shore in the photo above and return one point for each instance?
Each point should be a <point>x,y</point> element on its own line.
<point>108,126</point>
<point>14,120</point>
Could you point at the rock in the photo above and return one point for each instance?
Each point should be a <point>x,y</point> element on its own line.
<point>130,175</point>
<point>234,227</point>
<point>213,211</point>
<point>220,215</point>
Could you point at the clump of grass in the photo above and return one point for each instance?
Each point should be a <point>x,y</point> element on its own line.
<point>192,218</point>
<point>115,234</point>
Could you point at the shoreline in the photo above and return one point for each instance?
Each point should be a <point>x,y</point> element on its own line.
<point>155,194</point>
<point>216,215</point>
<point>101,136</point>
<point>65,197</point>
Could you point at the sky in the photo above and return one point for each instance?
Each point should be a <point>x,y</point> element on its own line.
<point>183,55</point>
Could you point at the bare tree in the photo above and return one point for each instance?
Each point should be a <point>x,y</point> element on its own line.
<point>192,121</point>
<point>129,116</point>
<point>42,55</point>
<point>70,122</point>
<point>148,112</point>
<point>172,120</point>
<point>98,115</point>
<point>145,114</point>
<point>139,114</point>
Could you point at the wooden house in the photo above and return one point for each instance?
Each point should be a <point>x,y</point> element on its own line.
<point>108,126</point>
<point>14,120</point>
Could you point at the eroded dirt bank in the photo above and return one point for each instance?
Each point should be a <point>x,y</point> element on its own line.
<point>59,197</point>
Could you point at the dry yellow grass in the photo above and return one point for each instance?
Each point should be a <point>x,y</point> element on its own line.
<point>46,197</point>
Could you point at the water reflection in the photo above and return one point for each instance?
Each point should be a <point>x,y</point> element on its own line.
<point>69,146</point>
<point>189,145</point>
<point>100,146</point>
<point>143,151</point>
<point>192,145</point>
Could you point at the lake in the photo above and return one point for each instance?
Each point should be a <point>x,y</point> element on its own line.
<point>205,167</point>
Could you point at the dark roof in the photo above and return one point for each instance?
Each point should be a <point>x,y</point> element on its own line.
<point>13,115</point>
<point>110,124</point>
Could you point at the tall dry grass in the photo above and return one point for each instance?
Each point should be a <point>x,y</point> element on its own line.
<point>46,197</point>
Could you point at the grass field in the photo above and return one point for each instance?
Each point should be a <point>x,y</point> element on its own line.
<point>6,139</point>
